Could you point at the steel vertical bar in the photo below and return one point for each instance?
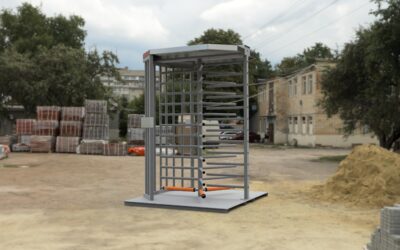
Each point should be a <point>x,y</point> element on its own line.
<point>183,99</point>
<point>151,151</point>
<point>166,117</point>
<point>246,123</point>
<point>173,121</point>
<point>160,126</point>
<point>199,122</point>
<point>146,97</point>
<point>191,142</point>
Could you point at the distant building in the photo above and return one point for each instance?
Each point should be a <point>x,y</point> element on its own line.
<point>288,112</point>
<point>130,86</point>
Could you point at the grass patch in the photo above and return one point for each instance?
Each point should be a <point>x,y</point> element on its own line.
<point>331,158</point>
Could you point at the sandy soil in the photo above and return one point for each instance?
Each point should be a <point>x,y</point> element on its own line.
<point>57,201</point>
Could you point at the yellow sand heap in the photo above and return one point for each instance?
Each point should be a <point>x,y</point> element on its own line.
<point>370,175</point>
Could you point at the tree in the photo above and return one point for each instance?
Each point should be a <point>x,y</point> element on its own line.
<point>217,36</point>
<point>43,61</point>
<point>29,29</point>
<point>308,57</point>
<point>364,88</point>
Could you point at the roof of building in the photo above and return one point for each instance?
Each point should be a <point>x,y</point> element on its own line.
<point>320,63</point>
<point>130,72</point>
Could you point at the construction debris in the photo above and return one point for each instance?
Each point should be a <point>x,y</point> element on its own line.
<point>387,237</point>
<point>370,175</point>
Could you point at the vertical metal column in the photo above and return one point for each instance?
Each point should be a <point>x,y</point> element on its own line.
<point>246,124</point>
<point>166,108</point>
<point>199,90</point>
<point>192,136</point>
<point>150,112</point>
<point>160,124</point>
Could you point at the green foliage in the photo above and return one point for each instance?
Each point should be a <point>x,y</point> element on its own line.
<point>364,88</point>
<point>43,62</point>
<point>217,36</point>
<point>136,106</point>
<point>308,57</point>
<point>28,29</point>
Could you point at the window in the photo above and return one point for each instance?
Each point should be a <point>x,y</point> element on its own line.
<point>304,85</point>
<point>271,97</point>
<point>290,121</point>
<point>310,84</point>
<point>310,126</point>
<point>295,86</point>
<point>303,125</point>
<point>295,125</point>
<point>290,88</point>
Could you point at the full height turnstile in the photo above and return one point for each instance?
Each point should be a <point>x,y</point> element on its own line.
<point>197,128</point>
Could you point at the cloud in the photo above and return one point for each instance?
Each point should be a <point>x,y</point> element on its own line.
<point>131,27</point>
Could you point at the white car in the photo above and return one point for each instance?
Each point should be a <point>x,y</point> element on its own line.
<point>228,135</point>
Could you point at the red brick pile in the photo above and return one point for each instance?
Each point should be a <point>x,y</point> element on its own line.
<point>46,129</point>
<point>70,129</point>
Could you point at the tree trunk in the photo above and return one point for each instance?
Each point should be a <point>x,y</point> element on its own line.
<point>388,142</point>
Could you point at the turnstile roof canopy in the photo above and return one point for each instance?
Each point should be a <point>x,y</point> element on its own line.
<point>193,52</point>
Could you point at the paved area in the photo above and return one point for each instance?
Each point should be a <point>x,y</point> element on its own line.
<point>61,201</point>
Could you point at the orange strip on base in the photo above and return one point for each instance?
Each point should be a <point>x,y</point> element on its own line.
<point>185,189</point>
<point>202,194</point>
<point>209,189</point>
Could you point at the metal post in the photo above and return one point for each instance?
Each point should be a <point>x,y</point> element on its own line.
<point>246,124</point>
<point>150,111</point>
<point>199,89</point>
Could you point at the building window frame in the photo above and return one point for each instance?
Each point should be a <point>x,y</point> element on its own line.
<point>310,83</point>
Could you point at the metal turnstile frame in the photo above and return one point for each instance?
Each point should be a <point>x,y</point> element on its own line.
<point>184,79</point>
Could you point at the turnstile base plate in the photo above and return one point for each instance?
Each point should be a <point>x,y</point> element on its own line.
<point>217,201</point>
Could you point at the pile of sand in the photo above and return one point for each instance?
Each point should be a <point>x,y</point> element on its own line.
<point>370,175</point>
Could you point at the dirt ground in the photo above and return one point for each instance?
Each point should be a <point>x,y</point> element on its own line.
<point>60,201</point>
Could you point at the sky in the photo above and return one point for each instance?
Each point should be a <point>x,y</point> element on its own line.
<point>275,28</point>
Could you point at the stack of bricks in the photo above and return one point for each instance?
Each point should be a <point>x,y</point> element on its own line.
<point>95,128</point>
<point>24,131</point>
<point>70,129</point>
<point>135,131</point>
<point>387,237</point>
<point>115,149</point>
<point>45,129</point>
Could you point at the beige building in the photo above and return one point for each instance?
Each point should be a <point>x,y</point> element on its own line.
<point>130,86</point>
<point>288,112</point>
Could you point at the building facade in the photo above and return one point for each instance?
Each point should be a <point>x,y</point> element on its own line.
<point>289,112</point>
<point>130,86</point>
